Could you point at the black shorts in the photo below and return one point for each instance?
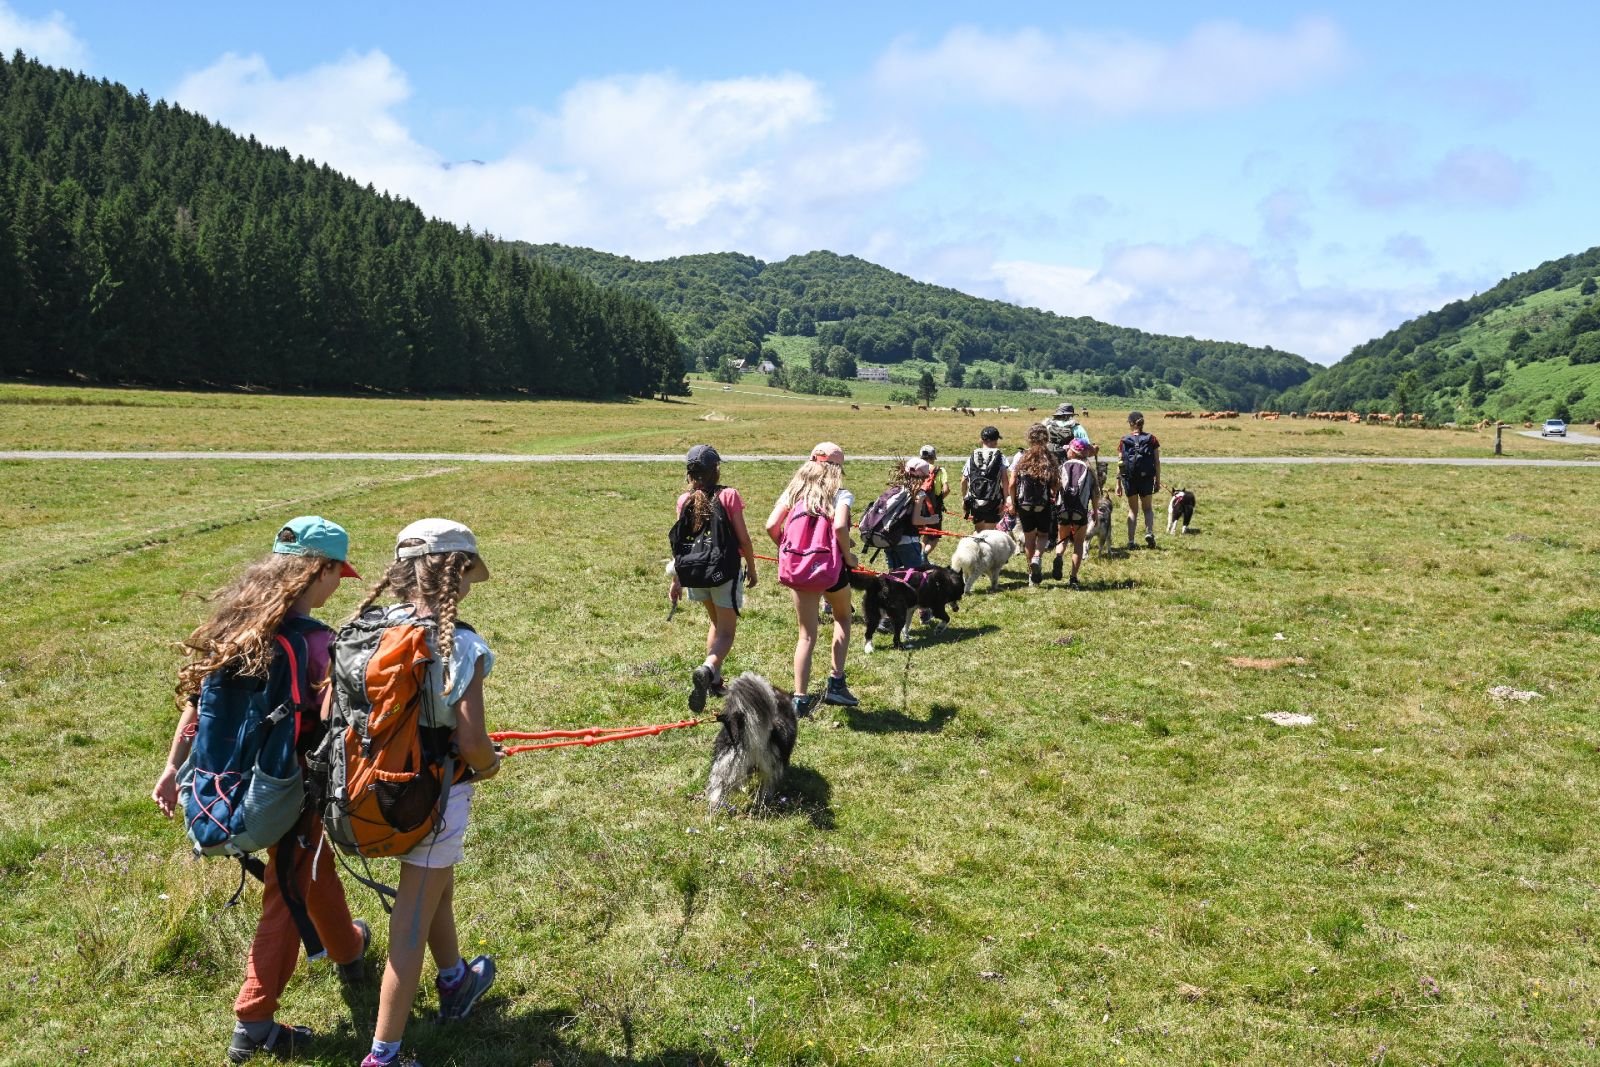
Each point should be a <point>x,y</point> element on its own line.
<point>1139,486</point>
<point>930,529</point>
<point>844,581</point>
<point>1042,521</point>
<point>989,512</point>
<point>1067,520</point>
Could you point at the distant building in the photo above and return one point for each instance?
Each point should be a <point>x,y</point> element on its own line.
<point>767,366</point>
<point>738,364</point>
<point>872,374</point>
<point>1044,392</point>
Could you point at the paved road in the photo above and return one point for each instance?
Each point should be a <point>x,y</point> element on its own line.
<point>1571,438</point>
<point>632,457</point>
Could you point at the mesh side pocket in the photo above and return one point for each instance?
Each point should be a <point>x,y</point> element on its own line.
<point>406,801</point>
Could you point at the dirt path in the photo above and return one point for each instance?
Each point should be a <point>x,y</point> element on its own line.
<point>628,457</point>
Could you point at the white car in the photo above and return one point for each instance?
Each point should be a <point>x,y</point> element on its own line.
<point>1553,428</point>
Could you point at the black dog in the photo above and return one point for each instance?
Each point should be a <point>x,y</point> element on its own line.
<point>756,740</point>
<point>893,595</point>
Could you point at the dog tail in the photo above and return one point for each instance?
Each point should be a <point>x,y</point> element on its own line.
<point>966,556</point>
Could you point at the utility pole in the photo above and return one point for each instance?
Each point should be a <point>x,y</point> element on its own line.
<point>1499,428</point>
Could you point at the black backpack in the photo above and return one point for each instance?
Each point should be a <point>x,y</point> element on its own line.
<point>706,557</point>
<point>887,519</point>
<point>983,476</point>
<point>1139,456</point>
<point>1033,493</point>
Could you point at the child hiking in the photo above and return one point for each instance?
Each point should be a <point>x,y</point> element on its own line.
<point>1139,476</point>
<point>1080,495</point>
<point>1035,487</point>
<point>242,662</point>
<point>935,488</point>
<point>895,520</point>
<point>436,565</point>
<point>810,523</point>
<point>709,539</point>
<point>985,482</point>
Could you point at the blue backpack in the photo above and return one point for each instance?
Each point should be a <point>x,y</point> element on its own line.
<point>241,787</point>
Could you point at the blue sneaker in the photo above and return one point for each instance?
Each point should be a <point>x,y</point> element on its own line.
<point>839,693</point>
<point>456,1001</point>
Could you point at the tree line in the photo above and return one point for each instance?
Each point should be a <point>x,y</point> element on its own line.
<point>723,305</point>
<point>142,243</point>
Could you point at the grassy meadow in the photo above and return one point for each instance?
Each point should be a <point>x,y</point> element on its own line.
<point>748,418</point>
<point>1059,832</point>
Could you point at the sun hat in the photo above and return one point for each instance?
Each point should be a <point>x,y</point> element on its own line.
<point>1077,447</point>
<point>828,452</point>
<point>702,457</point>
<point>918,466</point>
<point>990,433</point>
<point>927,452</point>
<point>1066,409</point>
<point>440,536</point>
<point>313,535</point>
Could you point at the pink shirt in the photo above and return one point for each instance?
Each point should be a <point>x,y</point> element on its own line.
<point>728,497</point>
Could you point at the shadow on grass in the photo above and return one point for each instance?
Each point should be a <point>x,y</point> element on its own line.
<point>537,1037</point>
<point>898,722</point>
<point>804,791</point>
<point>926,637</point>
<point>1103,584</point>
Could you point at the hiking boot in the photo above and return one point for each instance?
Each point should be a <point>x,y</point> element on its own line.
<point>804,705</point>
<point>719,689</point>
<point>284,1042</point>
<point>1131,546</point>
<point>1035,573</point>
<point>702,677</point>
<point>1072,583</point>
<point>1055,569</point>
<point>838,693</point>
<point>356,969</point>
<point>456,1001</point>
<point>1150,540</point>
<point>885,626</point>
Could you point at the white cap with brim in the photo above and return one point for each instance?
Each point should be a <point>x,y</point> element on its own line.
<point>439,536</point>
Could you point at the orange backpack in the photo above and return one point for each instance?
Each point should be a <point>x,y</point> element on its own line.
<point>383,774</point>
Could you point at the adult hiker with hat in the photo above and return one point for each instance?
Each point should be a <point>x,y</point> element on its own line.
<point>1064,428</point>
<point>985,482</point>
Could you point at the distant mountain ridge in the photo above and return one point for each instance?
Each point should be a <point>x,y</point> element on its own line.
<point>1526,349</point>
<point>724,304</point>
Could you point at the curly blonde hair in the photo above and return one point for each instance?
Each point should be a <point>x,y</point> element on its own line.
<point>433,581</point>
<point>241,630</point>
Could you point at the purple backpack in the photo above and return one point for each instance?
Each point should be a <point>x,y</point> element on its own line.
<point>808,558</point>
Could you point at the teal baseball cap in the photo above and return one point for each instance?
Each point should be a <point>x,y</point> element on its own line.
<point>313,535</point>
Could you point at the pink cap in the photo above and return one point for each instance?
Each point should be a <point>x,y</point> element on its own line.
<point>1077,447</point>
<point>917,465</point>
<point>828,452</point>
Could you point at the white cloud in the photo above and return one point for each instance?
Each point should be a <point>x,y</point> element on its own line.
<point>50,40</point>
<point>646,165</point>
<point>1381,172</point>
<point>1218,65</point>
<point>1219,290</point>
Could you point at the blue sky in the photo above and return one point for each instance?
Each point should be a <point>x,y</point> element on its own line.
<point>1305,177</point>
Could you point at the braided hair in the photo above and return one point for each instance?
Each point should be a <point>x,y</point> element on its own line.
<point>432,581</point>
<point>701,483</point>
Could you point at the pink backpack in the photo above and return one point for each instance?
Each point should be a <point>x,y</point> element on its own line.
<point>808,558</point>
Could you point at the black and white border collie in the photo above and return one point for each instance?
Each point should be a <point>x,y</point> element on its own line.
<point>895,594</point>
<point>1180,510</point>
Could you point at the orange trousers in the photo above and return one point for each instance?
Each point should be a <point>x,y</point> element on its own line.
<point>276,948</point>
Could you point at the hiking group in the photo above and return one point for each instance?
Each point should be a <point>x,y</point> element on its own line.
<point>312,746</point>
<point>1048,491</point>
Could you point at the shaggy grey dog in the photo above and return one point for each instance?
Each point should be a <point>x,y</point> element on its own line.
<point>1100,527</point>
<point>757,736</point>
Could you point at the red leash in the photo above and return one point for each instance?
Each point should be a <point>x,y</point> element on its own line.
<point>594,735</point>
<point>853,570</point>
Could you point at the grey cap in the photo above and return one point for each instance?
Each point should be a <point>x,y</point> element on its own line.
<point>927,452</point>
<point>1066,409</point>
<point>702,457</point>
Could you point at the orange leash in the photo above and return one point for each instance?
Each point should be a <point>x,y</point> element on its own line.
<point>594,735</point>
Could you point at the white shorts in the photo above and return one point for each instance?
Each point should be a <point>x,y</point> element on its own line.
<point>445,847</point>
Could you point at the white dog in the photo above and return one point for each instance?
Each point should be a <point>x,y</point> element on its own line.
<point>983,553</point>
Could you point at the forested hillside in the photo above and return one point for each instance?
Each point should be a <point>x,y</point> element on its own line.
<point>142,243</point>
<point>1529,348</point>
<point>725,304</point>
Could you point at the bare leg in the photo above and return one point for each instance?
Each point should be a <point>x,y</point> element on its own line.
<point>839,601</point>
<point>720,634</point>
<point>805,607</point>
<point>411,927</point>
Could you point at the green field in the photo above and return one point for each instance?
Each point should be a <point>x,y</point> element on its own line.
<point>1058,833</point>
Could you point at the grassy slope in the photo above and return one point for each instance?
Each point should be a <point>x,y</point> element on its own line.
<point>752,419</point>
<point>1093,813</point>
<point>1528,392</point>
